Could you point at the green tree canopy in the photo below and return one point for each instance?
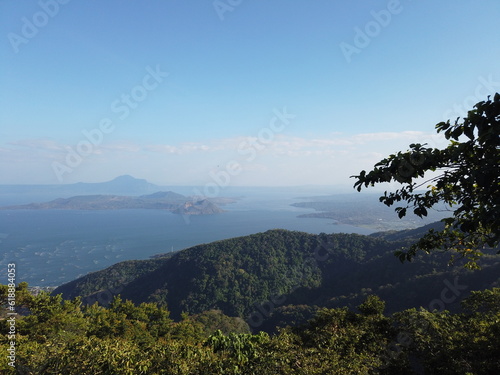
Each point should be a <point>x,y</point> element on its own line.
<point>468,182</point>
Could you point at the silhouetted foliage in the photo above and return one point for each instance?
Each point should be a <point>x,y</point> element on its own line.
<point>469,184</point>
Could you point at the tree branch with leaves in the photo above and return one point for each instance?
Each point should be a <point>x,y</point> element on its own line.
<point>468,183</point>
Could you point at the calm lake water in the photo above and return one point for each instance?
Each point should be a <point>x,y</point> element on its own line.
<point>51,247</point>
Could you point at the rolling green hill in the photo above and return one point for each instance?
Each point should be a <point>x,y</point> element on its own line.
<point>256,276</point>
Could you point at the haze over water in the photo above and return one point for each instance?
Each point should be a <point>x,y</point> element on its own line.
<point>52,247</point>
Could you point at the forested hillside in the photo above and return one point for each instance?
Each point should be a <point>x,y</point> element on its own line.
<point>278,302</point>
<point>257,276</point>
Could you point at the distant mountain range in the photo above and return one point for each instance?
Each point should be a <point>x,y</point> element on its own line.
<point>161,200</point>
<point>122,185</point>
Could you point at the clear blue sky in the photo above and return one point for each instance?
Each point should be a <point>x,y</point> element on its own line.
<point>67,68</point>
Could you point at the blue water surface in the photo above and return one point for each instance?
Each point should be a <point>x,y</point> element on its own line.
<point>51,247</point>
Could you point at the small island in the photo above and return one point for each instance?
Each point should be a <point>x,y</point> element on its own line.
<point>162,200</point>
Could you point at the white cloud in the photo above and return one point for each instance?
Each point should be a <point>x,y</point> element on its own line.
<point>118,147</point>
<point>39,144</point>
<point>284,160</point>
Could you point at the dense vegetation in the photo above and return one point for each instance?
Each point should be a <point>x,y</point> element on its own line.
<point>252,276</point>
<point>278,302</point>
<point>66,337</point>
